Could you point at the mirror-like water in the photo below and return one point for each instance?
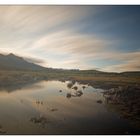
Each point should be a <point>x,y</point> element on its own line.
<point>54,107</point>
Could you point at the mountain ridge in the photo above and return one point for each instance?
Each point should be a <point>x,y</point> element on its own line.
<point>14,62</point>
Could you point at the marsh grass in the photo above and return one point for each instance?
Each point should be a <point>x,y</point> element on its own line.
<point>17,79</point>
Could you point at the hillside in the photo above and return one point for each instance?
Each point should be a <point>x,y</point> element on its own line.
<point>16,72</point>
<point>13,62</point>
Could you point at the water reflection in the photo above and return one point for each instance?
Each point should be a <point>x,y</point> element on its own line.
<point>44,108</point>
<point>13,86</point>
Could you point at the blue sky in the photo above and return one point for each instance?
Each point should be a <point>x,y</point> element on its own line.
<point>73,37</point>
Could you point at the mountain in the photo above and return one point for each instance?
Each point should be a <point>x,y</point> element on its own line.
<point>13,62</point>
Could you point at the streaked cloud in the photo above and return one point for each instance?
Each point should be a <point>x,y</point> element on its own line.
<point>127,66</point>
<point>34,60</point>
<point>75,37</point>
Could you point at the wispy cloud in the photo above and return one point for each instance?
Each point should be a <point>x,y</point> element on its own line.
<point>129,62</point>
<point>69,46</point>
<point>69,37</point>
<point>127,66</point>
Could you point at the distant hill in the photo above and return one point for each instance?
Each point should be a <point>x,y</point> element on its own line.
<point>13,62</point>
<point>130,73</point>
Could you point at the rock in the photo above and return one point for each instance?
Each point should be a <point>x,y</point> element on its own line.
<point>41,120</point>
<point>99,101</point>
<point>68,95</point>
<point>79,93</point>
<point>54,109</point>
<point>39,102</point>
<point>83,87</point>
<point>75,88</point>
<point>70,84</point>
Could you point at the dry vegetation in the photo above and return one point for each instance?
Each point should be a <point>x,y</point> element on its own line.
<point>101,80</point>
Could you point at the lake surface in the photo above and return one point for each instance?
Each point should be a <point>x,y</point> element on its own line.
<point>52,107</point>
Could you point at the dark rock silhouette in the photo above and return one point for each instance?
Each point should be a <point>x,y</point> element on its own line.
<point>39,120</point>
<point>54,109</point>
<point>99,101</point>
<point>39,102</point>
<point>79,93</point>
<point>69,85</point>
<point>83,87</point>
<point>68,95</point>
<point>75,88</point>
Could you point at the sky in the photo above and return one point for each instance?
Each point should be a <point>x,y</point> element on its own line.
<point>105,38</point>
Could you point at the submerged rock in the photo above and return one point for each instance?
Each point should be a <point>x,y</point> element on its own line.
<point>70,84</point>
<point>68,95</point>
<point>79,93</point>
<point>83,87</point>
<point>54,109</point>
<point>39,120</point>
<point>75,88</point>
<point>99,101</point>
<point>39,102</point>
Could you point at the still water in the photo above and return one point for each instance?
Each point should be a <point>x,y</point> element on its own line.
<point>52,107</point>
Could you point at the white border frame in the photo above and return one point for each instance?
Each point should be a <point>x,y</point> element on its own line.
<point>72,2</point>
